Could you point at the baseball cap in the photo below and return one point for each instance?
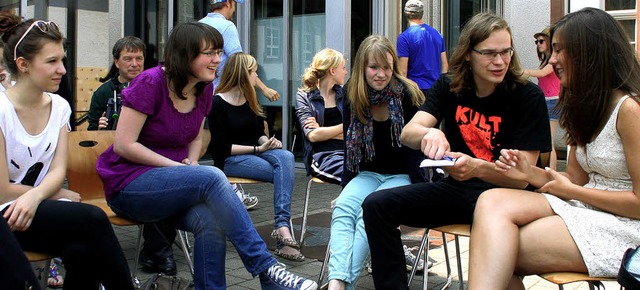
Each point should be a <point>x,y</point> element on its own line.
<point>414,6</point>
<point>220,1</point>
<point>544,32</point>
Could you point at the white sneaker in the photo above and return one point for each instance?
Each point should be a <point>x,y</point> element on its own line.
<point>410,259</point>
<point>246,198</point>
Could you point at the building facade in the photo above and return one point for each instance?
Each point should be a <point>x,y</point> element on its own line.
<point>284,35</point>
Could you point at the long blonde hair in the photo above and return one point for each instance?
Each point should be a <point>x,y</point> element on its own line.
<point>322,62</point>
<point>237,73</point>
<point>378,46</point>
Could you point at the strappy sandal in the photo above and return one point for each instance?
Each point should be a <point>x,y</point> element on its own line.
<point>55,280</point>
<point>291,257</point>
<point>287,242</point>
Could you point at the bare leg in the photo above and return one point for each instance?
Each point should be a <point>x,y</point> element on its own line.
<point>285,233</point>
<point>495,242</point>
<point>547,246</point>
<point>553,157</point>
<point>336,284</point>
<point>515,283</point>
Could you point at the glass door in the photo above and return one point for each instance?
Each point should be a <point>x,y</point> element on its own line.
<point>284,46</point>
<point>458,12</point>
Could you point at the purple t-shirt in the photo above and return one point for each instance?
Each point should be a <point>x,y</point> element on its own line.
<point>166,131</point>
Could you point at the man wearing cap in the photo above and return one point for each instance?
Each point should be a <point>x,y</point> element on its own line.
<point>422,55</point>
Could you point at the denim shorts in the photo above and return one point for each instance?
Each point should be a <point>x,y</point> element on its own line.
<point>553,114</point>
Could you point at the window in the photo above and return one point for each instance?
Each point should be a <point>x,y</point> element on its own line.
<point>610,5</point>
<point>272,44</point>
<point>625,12</point>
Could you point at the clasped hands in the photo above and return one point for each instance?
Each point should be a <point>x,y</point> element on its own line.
<point>515,165</point>
<point>271,143</point>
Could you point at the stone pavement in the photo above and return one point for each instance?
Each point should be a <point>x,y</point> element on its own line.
<point>322,194</point>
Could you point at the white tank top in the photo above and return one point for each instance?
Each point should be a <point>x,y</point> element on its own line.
<point>29,156</point>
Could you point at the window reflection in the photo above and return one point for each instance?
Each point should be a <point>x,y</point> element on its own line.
<point>619,5</point>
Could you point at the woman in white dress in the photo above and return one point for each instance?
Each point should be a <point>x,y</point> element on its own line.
<point>588,215</point>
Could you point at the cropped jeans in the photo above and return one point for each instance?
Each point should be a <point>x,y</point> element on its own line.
<point>274,166</point>
<point>198,199</point>
<point>349,246</point>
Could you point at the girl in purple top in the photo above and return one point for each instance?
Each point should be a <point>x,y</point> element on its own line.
<point>549,83</point>
<point>151,172</point>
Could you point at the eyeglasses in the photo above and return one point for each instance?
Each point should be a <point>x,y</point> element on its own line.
<point>540,41</point>
<point>44,26</point>
<point>492,54</point>
<point>218,52</point>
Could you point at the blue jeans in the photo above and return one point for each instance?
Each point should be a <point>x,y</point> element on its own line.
<point>349,245</point>
<point>550,105</point>
<point>200,200</point>
<point>275,166</point>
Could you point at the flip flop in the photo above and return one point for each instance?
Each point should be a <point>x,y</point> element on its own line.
<point>291,257</point>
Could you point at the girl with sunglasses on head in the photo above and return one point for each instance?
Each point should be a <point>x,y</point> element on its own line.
<point>33,156</point>
<point>151,172</point>
<point>550,85</point>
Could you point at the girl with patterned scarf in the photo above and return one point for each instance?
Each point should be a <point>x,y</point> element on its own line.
<point>379,102</point>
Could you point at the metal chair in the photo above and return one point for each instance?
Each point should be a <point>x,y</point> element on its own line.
<point>305,211</point>
<point>325,264</point>
<point>561,278</point>
<point>456,230</point>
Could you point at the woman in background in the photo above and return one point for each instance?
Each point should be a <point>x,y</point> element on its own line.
<point>550,84</point>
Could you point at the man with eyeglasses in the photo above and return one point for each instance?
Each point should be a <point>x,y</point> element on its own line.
<point>128,62</point>
<point>486,105</point>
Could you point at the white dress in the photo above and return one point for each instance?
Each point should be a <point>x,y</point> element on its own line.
<point>601,237</point>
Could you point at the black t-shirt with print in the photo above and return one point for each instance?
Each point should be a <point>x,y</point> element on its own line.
<point>513,118</point>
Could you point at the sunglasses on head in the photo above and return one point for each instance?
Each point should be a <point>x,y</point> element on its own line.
<point>44,26</point>
<point>541,41</point>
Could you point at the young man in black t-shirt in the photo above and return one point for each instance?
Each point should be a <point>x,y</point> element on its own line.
<point>486,106</point>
